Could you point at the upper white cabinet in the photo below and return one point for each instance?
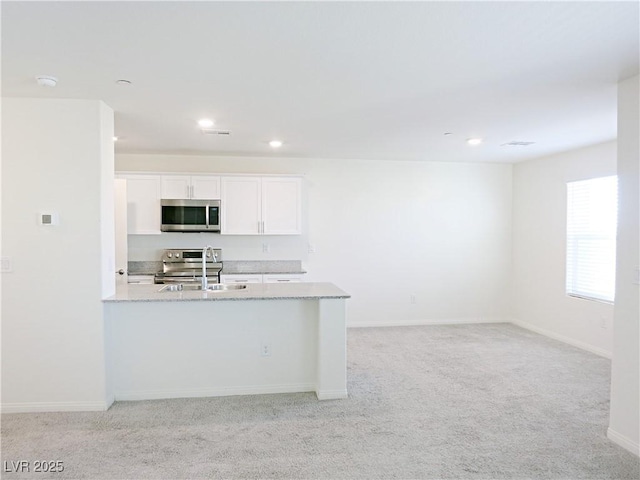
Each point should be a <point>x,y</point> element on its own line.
<point>281,206</point>
<point>201,187</point>
<point>241,206</point>
<point>261,205</point>
<point>143,203</point>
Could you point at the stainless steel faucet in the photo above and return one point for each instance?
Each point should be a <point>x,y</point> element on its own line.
<point>204,264</point>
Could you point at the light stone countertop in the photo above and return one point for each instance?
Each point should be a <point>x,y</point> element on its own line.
<point>255,291</point>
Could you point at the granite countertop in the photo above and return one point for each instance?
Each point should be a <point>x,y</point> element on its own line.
<point>257,291</point>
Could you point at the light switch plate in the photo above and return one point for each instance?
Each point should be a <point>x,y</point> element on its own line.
<point>5,265</point>
<point>48,218</point>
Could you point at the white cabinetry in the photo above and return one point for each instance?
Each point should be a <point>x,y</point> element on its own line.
<point>281,206</point>
<point>241,206</point>
<point>281,278</point>
<point>197,187</point>
<point>241,278</point>
<point>143,203</point>
<point>261,205</point>
<point>260,278</point>
<point>141,279</point>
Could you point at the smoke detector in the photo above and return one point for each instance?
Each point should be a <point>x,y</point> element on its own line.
<point>212,131</point>
<point>46,80</point>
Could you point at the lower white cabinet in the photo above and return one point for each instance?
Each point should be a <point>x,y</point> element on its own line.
<point>141,279</point>
<point>281,278</point>
<point>261,278</point>
<point>240,278</point>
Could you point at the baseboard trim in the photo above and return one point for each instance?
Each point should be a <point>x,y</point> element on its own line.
<point>575,343</point>
<point>623,441</point>
<point>331,394</point>
<point>38,407</point>
<point>214,392</point>
<point>433,321</point>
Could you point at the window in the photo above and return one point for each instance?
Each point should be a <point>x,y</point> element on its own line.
<point>592,213</point>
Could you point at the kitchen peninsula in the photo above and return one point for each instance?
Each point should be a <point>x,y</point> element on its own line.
<point>265,338</point>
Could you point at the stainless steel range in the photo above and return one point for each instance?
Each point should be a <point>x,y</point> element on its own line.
<point>185,266</point>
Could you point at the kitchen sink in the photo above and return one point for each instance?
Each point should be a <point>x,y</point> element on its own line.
<point>216,287</point>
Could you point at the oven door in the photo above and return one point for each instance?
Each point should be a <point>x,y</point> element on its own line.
<point>190,215</point>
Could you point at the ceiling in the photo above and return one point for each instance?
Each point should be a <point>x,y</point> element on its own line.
<point>359,80</point>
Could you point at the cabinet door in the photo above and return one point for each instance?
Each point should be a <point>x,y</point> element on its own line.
<point>176,187</point>
<point>241,206</point>
<point>281,278</point>
<point>143,204</point>
<point>281,205</point>
<point>239,278</point>
<point>205,187</point>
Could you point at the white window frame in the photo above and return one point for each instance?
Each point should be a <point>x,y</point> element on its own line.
<point>592,211</point>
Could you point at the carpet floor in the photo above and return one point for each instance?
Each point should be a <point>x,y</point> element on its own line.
<point>489,401</point>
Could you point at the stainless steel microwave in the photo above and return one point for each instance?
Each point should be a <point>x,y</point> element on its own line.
<point>190,215</point>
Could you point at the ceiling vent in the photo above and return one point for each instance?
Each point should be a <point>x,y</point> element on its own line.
<point>211,131</point>
<point>516,143</point>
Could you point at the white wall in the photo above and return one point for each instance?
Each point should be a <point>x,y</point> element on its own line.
<point>624,424</point>
<point>55,156</point>
<point>382,231</point>
<point>539,249</point>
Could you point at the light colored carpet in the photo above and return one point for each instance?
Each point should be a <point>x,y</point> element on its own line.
<point>466,401</point>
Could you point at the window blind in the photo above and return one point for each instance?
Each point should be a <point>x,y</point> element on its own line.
<point>592,213</point>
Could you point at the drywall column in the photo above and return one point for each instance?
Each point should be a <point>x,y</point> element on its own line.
<point>331,382</point>
<point>57,159</point>
<point>624,422</point>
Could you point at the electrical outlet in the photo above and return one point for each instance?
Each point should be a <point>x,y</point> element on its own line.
<point>265,349</point>
<point>312,248</point>
<point>266,248</point>
<point>412,298</point>
<point>603,322</point>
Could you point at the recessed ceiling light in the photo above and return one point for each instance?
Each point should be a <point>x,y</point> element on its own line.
<point>205,123</point>
<point>275,143</point>
<point>46,80</point>
<point>474,141</point>
<point>124,82</point>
